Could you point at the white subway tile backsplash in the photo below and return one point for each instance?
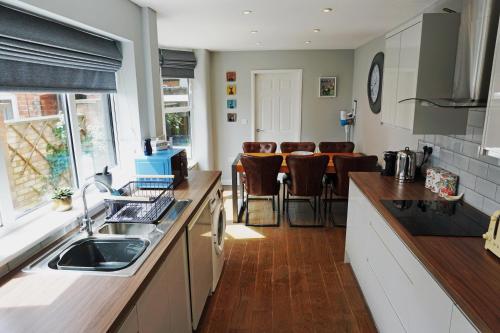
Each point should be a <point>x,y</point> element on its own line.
<point>494,174</point>
<point>498,194</point>
<point>466,179</point>
<point>461,161</point>
<point>490,206</point>
<point>470,149</point>
<point>476,118</point>
<point>486,188</point>
<point>474,199</point>
<point>447,156</point>
<point>478,168</point>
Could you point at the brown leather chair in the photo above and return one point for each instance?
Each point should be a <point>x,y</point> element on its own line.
<point>336,147</point>
<point>306,180</point>
<point>343,166</point>
<point>259,147</point>
<point>289,147</point>
<point>262,180</point>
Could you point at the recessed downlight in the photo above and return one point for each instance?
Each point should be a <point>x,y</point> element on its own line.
<point>307,42</point>
<point>327,10</point>
<point>253,32</point>
<point>247,12</point>
<point>258,43</point>
<point>316,30</point>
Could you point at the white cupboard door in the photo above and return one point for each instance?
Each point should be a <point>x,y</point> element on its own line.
<point>459,323</point>
<point>491,137</point>
<point>278,106</point>
<point>130,324</point>
<point>408,75</point>
<point>390,80</point>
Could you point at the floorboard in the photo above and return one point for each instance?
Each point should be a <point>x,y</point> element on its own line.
<point>285,279</point>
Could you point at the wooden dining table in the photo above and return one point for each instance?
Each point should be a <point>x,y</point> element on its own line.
<point>237,169</point>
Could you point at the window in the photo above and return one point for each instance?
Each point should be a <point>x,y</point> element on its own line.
<point>52,140</point>
<point>177,112</point>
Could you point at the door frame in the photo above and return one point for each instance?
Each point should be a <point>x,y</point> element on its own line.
<point>298,73</point>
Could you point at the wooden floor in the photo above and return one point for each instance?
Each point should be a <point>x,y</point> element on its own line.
<point>285,280</point>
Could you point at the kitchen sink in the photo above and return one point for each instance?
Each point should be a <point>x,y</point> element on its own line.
<point>136,229</point>
<point>117,249</point>
<point>100,254</point>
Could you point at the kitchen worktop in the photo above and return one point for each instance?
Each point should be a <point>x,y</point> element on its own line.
<point>76,302</point>
<point>468,273</point>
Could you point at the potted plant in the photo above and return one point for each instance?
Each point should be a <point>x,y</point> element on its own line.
<point>61,199</point>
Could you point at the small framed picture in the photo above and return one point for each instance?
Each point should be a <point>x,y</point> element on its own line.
<point>328,86</point>
<point>231,104</point>
<point>231,76</point>
<point>231,117</point>
<point>231,89</point>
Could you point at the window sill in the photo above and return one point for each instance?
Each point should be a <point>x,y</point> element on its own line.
<point>41,228</point>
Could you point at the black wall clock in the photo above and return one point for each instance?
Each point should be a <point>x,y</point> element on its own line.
<point>374,86</point>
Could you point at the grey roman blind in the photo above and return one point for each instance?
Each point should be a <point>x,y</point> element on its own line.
<point>175,63</point>
<point>37,54</point>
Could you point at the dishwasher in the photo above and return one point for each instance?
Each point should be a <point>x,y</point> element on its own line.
<point>199,238</point>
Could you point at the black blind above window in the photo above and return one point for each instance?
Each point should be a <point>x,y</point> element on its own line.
<point>177,64</point>
<point>41,55</point>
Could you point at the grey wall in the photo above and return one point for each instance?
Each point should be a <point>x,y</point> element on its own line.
<point>320,116</point>
<point>479,177</point>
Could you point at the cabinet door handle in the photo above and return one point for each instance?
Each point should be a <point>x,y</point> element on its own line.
<point>259,130</point>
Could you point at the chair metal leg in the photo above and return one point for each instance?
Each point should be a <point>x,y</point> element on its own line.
<point>274,207</point>
<point>247,207</point>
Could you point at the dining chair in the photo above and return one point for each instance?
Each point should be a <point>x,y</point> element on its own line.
<point>290,147</point>
<point>259,147</point>
<point>306,180</point>
<point>262,180</point>
<point>336,147</point>
<point>343,166</point>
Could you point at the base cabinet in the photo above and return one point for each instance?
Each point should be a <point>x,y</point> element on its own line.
<point>401,294</point>
<point>164,304</point>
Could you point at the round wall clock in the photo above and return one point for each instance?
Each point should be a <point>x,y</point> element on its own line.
<point>374,86</point>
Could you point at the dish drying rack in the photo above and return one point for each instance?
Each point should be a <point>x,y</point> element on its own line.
<point>140,201</point>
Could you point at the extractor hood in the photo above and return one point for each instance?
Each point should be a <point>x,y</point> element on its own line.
<point>476,46</point>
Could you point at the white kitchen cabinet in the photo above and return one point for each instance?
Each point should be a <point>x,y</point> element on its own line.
<point>164,305</point>
<point>491,136</point>
<point>420,63</point>
<point>130,324</point>
<point>459,323</point>
<point>401,294</point>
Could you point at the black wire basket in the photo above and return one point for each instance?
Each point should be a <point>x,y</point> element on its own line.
<point>140,202</point>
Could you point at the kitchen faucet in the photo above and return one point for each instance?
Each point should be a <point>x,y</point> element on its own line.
<point>86,221</point>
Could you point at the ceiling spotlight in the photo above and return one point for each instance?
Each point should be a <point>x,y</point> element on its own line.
<point>327,10</point>
<point>254,32</point>
<point>316,30</point>
<point>247,12</point>
<point>308,42</point>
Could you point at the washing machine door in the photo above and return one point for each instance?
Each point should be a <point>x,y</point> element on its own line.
<point>219,230</point>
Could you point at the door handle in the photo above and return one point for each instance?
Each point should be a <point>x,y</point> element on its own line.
<point>259,130</point>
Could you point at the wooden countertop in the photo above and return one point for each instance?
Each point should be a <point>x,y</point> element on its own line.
<point>73,302</point>
<point>465,270</point>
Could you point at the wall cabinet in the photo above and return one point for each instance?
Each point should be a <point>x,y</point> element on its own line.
<point>491,136</point>
<point>164,305</point>
<point>401,294</point>
<point>420,63</point>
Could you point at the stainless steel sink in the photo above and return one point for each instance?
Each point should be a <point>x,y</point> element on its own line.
<point>100,254</point>
<point>129,229</point>
<point>117,249</point>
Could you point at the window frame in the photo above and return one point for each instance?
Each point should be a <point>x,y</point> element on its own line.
<point>9,219</point>
<point>179,109</point>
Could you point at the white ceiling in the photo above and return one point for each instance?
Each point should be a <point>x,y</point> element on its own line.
<point>281,24</point>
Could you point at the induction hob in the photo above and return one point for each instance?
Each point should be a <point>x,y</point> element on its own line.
<point>438,218</point>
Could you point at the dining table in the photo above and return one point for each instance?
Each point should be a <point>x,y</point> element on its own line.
<point>237,170</point>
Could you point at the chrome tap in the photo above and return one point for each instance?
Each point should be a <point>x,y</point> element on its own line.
<point>86,221</point>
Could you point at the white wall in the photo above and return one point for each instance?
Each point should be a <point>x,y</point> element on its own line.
<point>121,20</point>
<point>320,116</point>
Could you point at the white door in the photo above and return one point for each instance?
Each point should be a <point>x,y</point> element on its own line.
<point>277,101</point>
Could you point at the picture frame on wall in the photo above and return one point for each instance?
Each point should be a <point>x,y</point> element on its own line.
<point>328,86</point>
<point>231,76</point>
<point>231,89</point>
<point>231,117</point>
<point>231,104</point>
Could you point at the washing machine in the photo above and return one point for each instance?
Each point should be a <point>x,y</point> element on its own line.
<point>218,231</point>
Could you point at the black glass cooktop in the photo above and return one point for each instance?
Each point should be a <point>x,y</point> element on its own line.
<point>438,218</point>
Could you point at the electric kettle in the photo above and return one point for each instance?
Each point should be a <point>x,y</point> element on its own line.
<point>406,165</point>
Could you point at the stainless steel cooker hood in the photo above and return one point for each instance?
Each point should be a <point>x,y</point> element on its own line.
<point>476,45</point>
